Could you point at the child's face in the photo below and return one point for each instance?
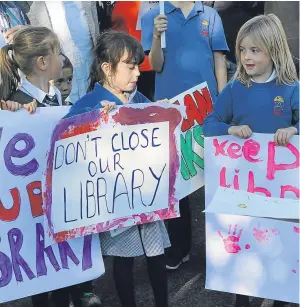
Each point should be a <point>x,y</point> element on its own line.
<point>64,84</point>
<point>126,75</point>
<point>256,62</point>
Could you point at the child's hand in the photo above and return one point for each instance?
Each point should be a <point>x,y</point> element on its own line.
<point>166,100</point>
<point>243,132</point>
<point>160,25</point>
<point>282,136</point>
<point>10,105</point>
<point>31,106</point>
<point>107,106</point>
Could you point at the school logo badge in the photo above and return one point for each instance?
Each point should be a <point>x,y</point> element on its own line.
<point>278,105</point>
<point>204,29</point>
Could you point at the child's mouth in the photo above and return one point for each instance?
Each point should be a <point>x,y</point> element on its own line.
<point>250,66</point>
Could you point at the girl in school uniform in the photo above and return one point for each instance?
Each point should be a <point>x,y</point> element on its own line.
<point>263,96</point>
<point>113,77</point>
<point>36,52</point>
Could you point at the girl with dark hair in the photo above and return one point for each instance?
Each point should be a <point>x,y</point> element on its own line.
<point>113,77</point>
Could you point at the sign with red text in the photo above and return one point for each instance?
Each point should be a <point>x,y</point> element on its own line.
<point>28,265</point>
<point>110,171</point>
<point>198,104</point>
<point>250,255</point>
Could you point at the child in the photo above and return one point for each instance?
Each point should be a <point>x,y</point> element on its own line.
<point>36,52</point>
<point>64,83</point>
<point>113,77</point>
<point>264,94</point>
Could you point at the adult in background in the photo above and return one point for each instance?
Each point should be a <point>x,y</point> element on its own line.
<point>195,43</point>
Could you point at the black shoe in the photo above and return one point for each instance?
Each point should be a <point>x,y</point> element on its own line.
<point>242,301</point>
<point>174,264</point>
<point>88,299</point>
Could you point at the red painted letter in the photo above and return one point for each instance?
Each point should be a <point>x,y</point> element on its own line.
<point>272,167</point>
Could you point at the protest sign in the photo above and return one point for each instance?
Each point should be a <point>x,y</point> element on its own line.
<point>198,103</point>
<point>235,202</point>
<point>112,171</point>
<point>27,264</point>
<point>248,255</point>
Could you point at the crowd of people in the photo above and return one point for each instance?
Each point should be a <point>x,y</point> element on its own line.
<point>241,61</point>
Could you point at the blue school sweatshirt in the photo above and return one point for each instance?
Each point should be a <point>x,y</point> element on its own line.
<point>264,107</point>
<point>91,100</point>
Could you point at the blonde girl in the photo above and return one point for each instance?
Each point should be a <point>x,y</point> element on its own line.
<point>263,96</point>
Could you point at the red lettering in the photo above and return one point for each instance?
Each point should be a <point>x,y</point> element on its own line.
<point>236,184</point>
<point>272,167</point>
<point>11,214</point>
<point>233,149</point>
<point>204,106</point>
<point>289,188</point>
<point>251,149</point>
<point>192,112</point>
<point>207,97</point>
<point>223,178</point>
<point>36,200</point>
<point>253,189</point>
<point>176,102</point>
<point>219,147</point>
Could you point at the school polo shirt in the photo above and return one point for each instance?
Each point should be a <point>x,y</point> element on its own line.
<point>190,42</point>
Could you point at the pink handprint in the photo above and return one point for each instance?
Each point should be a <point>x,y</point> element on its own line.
<point>264,235</point>
<point>231,242</point>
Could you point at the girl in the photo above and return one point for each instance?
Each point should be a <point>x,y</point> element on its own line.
<point>36,52</point>
<point>113,77</point>
<point>264,94</point>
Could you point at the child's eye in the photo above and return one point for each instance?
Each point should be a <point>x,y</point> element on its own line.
<point>255,50</point>
<point>70,79</point>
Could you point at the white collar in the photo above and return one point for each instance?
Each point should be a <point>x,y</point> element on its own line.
<point>272,77</point>
<point>68,101</point>
<point>37,93</point>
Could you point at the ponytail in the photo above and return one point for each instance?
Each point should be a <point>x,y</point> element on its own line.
<point>9,76</point>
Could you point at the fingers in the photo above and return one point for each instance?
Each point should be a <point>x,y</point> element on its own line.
<point>281,137</point>
<point>163,100</point>
<point>30,107</point>
<point>245,132</point>
<point>10,105</point>
<point>220,234</point>
<point>160,24</point>
<point>108,106</point>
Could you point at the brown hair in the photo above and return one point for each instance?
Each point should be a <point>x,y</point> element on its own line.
<point>66,62</point>
<point>28,44</point>
<point>110,47</point>
<point>268,33</point>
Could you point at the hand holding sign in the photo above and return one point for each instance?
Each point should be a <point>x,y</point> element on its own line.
<point>160,26</point>
<point>282,136</point>
<point>243,131</point>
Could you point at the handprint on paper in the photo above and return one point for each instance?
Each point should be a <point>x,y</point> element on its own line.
<point>231,243</point>
<point>263,235</point>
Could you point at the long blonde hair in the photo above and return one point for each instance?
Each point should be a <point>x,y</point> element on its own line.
<point>268,33</point>
<point>28,44</point>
